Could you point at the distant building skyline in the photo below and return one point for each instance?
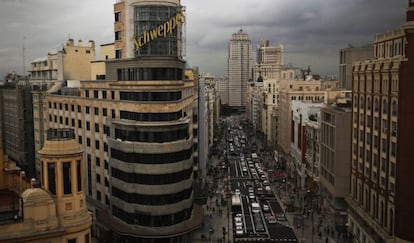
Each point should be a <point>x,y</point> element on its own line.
<point>240,63</point>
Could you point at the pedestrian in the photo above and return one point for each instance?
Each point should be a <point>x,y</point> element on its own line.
<point>326,240</point>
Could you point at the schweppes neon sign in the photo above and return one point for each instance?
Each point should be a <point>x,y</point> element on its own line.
<point>161,30</point>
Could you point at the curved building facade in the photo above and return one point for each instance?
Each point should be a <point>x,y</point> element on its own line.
<point>150,139</point>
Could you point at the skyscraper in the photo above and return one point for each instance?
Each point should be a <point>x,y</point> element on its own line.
<point>240,63</point>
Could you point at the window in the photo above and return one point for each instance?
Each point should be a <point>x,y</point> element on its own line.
<point>95,94</point>
<point>117,16</point>
<point>88,126</point>
<point>67,180</point>
<point>117,35</point>
<point>51,178</point>
<point>394,108</point>
<point>80,139</point>
<point>104,94</point>
<point>384,107</point>
<point>88,142</point>
<point>87,93</point>
<point>96,127</point>
<point>98,178</point>
<point>96,111</point>
<point>118,53</point>
<point>98,161</point>
<point>97,144</point>
<point>392,170</point>
<point>104,112</point>
<point>72,241</point>
<point>79,175</point>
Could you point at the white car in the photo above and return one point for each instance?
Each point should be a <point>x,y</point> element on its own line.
<point>239,230</point>
<point>266,208</point>
<point>251,195</point>
<point>238,222</point>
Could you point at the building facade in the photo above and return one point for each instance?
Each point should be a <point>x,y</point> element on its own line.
<point>240,63</point>
<point>70,63</point>
<point>57,211</point>
<point>335,151</point>
<point>137,129</point>
<point>302,112</point>
<point>374,140</point>
<point>16,120</point>
<point>98,66</point>
<point>346,57</point>
<point>379,196</point>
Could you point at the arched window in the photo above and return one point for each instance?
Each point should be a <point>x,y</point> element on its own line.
<point>394,108</point>
<point>384,107</point>
<point>376,105</point>
<point>361,103</point>
<point>355,101</point>
<point>368,103</point>
<point>391,221</point>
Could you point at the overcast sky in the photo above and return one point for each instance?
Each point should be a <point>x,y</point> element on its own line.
<point>311,31</point>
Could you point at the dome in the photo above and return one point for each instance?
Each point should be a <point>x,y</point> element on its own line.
<point>34,195</point>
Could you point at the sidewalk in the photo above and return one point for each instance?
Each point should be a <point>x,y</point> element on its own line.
<point>217,226</point>
<point>317,226</point>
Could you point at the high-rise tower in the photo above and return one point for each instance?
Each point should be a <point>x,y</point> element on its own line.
<point>240,63</point>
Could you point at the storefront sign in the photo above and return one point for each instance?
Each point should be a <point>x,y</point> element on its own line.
<point>161,30</point>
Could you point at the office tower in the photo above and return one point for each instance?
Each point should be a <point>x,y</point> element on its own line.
<point>269,61</point>
<point>380,196</point>
<point>136,127</point>
<point>57,211</point>
<point>240,63</point>
<point>346,57</point>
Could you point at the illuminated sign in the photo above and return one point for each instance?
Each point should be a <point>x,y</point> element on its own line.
<point>161,30</point>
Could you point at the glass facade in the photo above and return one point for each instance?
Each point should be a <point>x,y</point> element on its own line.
<point>148,18</point>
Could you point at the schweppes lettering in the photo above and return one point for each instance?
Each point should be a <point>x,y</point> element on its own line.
<point>161,30</point>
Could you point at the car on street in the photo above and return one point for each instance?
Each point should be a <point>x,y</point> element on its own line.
<point>251,195</point>
<point>280,217</point>
<point>265,208</point>
<point>239,230</point>
<point>271,219</point>
<point>238,221</point>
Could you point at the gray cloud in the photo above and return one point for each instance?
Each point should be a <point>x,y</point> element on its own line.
<point>312,31</point>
